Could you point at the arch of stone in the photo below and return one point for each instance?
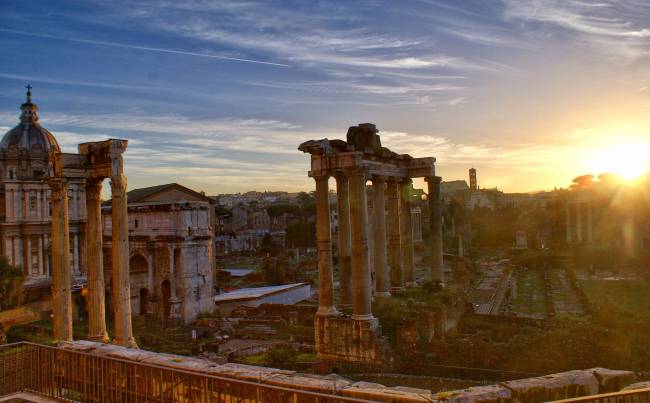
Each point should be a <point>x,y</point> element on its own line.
<point>352,162</point>
<point>95,162</point>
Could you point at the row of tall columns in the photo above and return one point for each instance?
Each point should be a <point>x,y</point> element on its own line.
<point>579,209</point>
<point>394,268</point>
<point>19,204</point>
<point>435,209</point>
<point>121,294</point>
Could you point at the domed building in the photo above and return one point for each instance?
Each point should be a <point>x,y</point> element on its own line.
<point>26,159</point>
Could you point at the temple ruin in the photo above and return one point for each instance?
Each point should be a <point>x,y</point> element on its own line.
<point>35,171</point>
<point>361,158</point>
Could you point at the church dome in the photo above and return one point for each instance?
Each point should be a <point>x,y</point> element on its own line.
<point>29,135</point>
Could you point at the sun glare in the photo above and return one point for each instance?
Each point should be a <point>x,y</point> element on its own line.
<point>627,160</point>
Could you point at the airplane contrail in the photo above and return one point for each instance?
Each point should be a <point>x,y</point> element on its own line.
<point>147,48</point>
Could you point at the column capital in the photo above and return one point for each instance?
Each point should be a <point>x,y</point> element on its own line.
<point>321,176</point>
<point>406,181</point>
<point>355,171</point>
<point>59,187</point>
<point>378,178</point>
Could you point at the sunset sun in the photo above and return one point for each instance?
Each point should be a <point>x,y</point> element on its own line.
<point>628,160</point>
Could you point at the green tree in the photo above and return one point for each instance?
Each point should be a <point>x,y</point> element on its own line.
<point>11,285</point>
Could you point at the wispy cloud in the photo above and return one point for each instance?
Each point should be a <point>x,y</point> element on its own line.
<point>612,25</point>
<point>136,47</point>
<point>50,80</point>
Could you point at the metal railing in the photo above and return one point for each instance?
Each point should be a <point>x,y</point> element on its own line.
<point>81,377</point>
<point>625,396</point>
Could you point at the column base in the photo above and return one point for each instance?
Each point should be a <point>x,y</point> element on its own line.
<point>396,290</point>
<point>409,284</point>
<point>327,311</point>
<point>130,343</point>
<point>102,338</point>
<point>365,317</point>
<point>382,294</point>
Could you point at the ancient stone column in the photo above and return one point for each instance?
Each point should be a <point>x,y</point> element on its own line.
<point>324,247</point>
<point>61,296</point>
<point>361,281</point>
<point>394,242</point>
<point>406,233</point>
<point>379,235</point>
<point>95,262</point>
<point>343,206</point>
<point>120,260</point>
<point>437,273</point>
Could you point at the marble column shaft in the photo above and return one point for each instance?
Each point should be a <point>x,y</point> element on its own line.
<point>406,232</point>
<point>435,211</point>
<point>120,259</point>
<point>324,248</point>
<point>361,281</point>
<point>394,242</point>
<point>343,206</point>
<point>95,263</point>
<point>379,234</point>
<point>61,291</point>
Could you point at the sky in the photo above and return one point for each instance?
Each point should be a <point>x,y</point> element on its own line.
<point>218,95</point>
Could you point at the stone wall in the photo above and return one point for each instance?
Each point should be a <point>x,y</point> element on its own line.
<point>340,338</point>
<point>544,388</point>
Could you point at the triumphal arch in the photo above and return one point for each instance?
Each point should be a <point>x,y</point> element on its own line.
<point>354,162</point>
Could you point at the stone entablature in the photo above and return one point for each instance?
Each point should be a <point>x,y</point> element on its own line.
<point>387,250</point>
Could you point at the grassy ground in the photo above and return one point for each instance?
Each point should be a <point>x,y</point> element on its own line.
<point>530,299</point>
<point>626,296</point>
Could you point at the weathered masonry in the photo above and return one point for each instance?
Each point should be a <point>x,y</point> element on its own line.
<point>352,163</point>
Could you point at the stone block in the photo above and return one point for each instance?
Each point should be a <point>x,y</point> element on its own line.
<point>379,392</point>
<point>553,387</point>
<point>481,394</point>
<point>612,380</point>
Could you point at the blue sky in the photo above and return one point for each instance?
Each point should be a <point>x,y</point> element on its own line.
<point>218,95</point>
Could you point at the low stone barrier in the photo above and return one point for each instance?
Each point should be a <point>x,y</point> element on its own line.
<point>562,385</point>
<point>538,389</point>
